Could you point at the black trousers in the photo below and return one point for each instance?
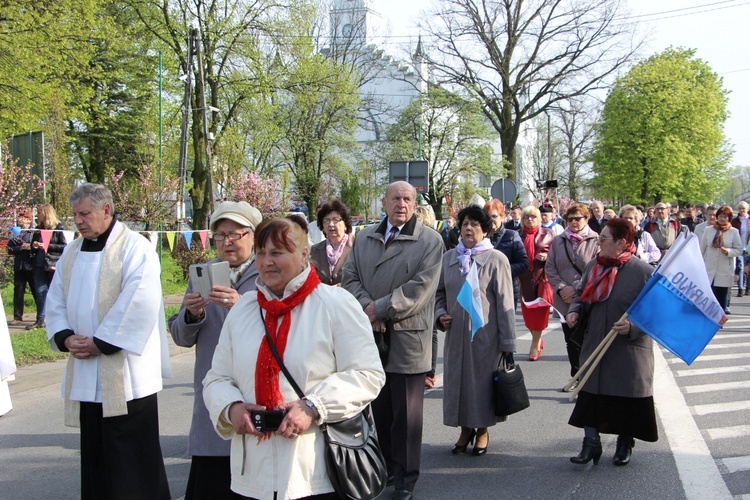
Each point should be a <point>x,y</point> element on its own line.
<point>398,412</point>
<point>574,350</point>
<point>20,280</point>
<point>121,456</point>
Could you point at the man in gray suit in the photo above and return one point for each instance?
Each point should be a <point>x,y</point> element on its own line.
<point>393,272</point>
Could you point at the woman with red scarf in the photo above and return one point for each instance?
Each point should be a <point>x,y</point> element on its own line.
<point>325,340</point>
<point>720,245</point>
<point>618,396</point>
<point>534,284</point>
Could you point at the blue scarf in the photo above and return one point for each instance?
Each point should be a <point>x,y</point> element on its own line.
<point>465,255</point>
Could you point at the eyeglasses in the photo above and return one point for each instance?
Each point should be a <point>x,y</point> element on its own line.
<point>529,217</point>
<point>229,236</point>
<point>332,220</point>
<point>660,208</point>
<point>576,218</point>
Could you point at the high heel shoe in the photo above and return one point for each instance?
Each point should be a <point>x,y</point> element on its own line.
<point>538,352</point>
<point>459,449</point>
<point>624,450</point>
<point>476,451</point>
<point>592,449</point>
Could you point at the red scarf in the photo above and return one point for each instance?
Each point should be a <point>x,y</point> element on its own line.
<point>718,240</point>
<point>602,277</point>
<point>267,392</point>
<point>530,245</point>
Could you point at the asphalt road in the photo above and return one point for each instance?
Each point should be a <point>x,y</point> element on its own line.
<point>702,451</point>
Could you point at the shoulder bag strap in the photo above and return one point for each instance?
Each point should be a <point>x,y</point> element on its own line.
<point>278,358</point>
<point>572,262</point>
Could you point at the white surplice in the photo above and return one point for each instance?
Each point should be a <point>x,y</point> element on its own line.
<point>7,367</point>
<point>135,323</point>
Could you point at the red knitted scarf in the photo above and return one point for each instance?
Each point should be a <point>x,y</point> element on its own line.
<point>267,392</point>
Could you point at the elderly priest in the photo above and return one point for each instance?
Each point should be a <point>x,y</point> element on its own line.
<point>105,307</point>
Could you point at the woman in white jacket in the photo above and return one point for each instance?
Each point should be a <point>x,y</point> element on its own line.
<point>325,340</point>
<point>720,244</point>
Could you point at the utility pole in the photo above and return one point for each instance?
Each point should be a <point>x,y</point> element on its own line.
<point>187,77</point>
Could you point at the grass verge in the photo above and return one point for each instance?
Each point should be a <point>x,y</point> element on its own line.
<point>32,347</point>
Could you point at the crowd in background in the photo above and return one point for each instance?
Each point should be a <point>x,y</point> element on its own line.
<point>396,285</point>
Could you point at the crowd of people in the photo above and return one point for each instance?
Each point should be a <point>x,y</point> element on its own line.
<point>356,321</point>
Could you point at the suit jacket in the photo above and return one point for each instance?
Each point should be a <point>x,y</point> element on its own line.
<point>319,260</point>
<point>595,225</point>
<point>511,224</point>
<point>401,281</point>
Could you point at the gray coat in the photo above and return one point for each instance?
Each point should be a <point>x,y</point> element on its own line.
<point>468,364</point>
<point>319,260</point>
<point>559,269</point>
<point>204,335</point>
<point>627,368</point>
<point>402,281</point>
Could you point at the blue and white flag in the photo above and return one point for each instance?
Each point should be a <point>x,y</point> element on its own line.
<point>677,307</point>
<point>470,300</point>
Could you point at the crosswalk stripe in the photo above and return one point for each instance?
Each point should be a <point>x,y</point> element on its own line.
<point>714,357</point>
<point>729,432</point>
<point>721,407</point>
<point>735,464</point>
<point>723,386</point>
<point>713,371</point>
<point>728,345</point>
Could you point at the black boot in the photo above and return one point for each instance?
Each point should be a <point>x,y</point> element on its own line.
<point>592,449</point>
<point>624,450</point>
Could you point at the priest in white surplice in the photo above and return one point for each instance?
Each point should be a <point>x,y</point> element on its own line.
<point>105,307</point>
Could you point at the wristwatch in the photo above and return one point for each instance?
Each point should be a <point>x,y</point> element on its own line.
<point>312,407</point>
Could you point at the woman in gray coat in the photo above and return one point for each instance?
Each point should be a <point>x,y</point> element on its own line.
<point>469,360</point>
<point>618,397</point>
<point>199,323</point>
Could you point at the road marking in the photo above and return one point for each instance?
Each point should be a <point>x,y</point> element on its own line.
<point>713,357</point>
<point>712,371</point>
<point>735,464</point>
<point>729,333</point>
<point>729,432</point>
<point>721,407</point>
<point>728,346</point>
<point>723,386</point>
<point>696,467</point>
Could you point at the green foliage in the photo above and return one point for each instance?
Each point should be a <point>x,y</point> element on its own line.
<point>173,278</point>
<point>183,257</point>
<point>33,347</point>
<point>661,133</point>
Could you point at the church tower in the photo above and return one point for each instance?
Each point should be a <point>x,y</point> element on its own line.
<point>354,24</point>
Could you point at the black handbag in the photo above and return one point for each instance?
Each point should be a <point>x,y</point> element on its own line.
<point>356,466</point>
<point>509,388</point>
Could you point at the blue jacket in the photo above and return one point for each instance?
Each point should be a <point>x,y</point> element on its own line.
<point>509,242</point>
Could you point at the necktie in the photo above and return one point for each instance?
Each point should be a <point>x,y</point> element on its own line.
<point>391,236</point>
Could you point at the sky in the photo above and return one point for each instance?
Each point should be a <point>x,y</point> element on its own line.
<point>717,29</point>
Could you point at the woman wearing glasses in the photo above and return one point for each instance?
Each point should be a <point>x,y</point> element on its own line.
<point>328,256</point>
<point>198,323</point>
<point>534,284</point>
<point>568,255</point>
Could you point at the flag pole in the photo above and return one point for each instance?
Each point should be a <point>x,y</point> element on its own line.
<point>592,361</point>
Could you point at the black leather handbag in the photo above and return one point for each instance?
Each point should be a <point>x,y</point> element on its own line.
<point>509,388</point>
<point>356,466</point>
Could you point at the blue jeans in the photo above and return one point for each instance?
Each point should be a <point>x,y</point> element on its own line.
<point>42,279</point>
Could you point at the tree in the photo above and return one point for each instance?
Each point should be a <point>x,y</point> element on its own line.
<point>661,132</point>
<point>576,131</point>
<point>17,186</point>
<point>317,102</point>
<point>451,134</point>
<point>261,193</point>
<point>231,36</point>
<point>519,58</point>
<point>148,200</point>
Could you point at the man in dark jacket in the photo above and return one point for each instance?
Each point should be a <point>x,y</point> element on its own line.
<point>23,268</point>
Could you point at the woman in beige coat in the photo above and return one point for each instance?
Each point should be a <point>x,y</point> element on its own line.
<point>720,245</point>
<point>469,360</point>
